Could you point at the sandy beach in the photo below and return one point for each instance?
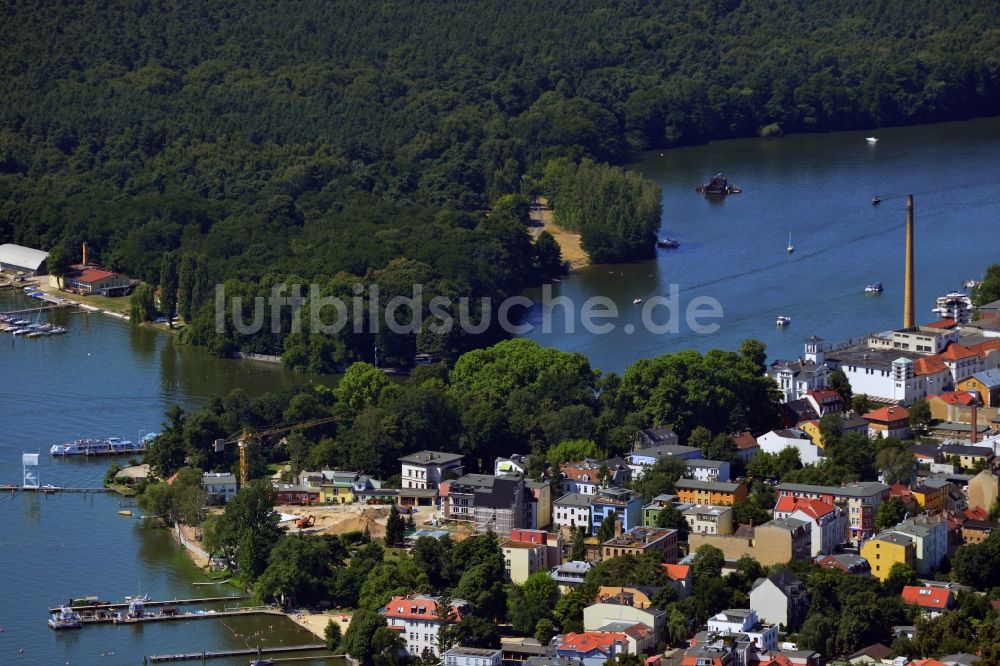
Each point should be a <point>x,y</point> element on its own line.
<point>569,243</point>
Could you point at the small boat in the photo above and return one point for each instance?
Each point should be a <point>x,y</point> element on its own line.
<point>783,320</point>
<point>972,284</point>
<point>790,248</point>
<point>668,243</point>
<point>125,512</point>
<point>636,301</point>
<point>874,288</point>
<point>718,185</point>
<point>876,200</point>
<point>871,139</point>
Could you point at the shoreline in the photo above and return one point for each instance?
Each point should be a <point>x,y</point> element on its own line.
<point>569,243</point>
<point>313,622</point>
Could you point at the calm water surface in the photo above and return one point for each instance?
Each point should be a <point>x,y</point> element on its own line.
<point>104,378</point>
<point>817,188</point>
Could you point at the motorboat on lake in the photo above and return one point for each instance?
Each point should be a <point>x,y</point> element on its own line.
<point>636,301</point>
<point>871,139</point>
<point>783,320</point>
<point>668,243</point>
<point>876,200</point>
<point>874,288</point>
<point>66,618</point>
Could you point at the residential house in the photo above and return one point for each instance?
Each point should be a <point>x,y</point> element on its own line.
<point>337,487</point>
<point>931,600</point>
<point>537,504</point>
<point>459,495</point>
<point>585,476</point>
<point>931,494</point>
<point>891,421</point>
<point>572,510</point>
<point>746,445</point>
<point>968,457</point>
<point>703,519</point>
<point>714,493</point>
<point>859,501</point>
<point>825,401</point>
<point>650,437</point>
<point>290,493</point>
<point>518,651</point>
<point>640,459</point>
<point>523,558</point>
<point>977,531</point>
<point>681,578</point>
<point>984,489</point>
<point>795,378</point>
<point>220,486</point>
<point>951,405</point>
<point>846,562</point>
<point>593,648</point>
<point>780,598</point>
<point>426,469</point>
<point>624,505</point>
<point>419,621</point>
<point>930,541</point>
<point>624,604</point>
<point>774,542</point>
<point>711,654</point>
<point>778,440</point>
<point>514,465</point>
<point>886,549</point>
<point>745,621</point>
<point>500,509</point>
<point>467,656</point>
<point>985,384</point>
<point>873,654</point>
<point>651,511</point>
<point>707,470</point>
<point>828,522</point>
<point>570,574</point>
<point>640,540</point>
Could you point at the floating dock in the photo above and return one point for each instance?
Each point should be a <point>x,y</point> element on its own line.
<point>248,652</point>
<point>9,488</point>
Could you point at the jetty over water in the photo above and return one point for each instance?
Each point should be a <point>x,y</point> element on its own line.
<point>156,603</point>
<point>218,654</point>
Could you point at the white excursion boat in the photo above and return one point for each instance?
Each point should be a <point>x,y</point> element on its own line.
<point>783,320</point>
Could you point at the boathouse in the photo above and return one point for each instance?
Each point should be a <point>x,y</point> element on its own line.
<point>94,280</point>
<point>23,260</point>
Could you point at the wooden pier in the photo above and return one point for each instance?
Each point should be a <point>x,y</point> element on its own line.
<point>156,603</point>
<point>109,617</point>
<point>244,652</point>
<point>9,488</point>
<point>52,306</point>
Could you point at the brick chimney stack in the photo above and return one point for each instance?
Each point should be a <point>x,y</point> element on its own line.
<point>909,308</point>
<point>974,437</point>
<point>84,260</point>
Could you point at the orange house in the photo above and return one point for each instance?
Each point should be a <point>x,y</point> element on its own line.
<point>712,493</point>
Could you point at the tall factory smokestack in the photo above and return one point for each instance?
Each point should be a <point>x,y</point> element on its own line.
<point>84,261</point>
<point>974,437</point>
<point>909,309</point>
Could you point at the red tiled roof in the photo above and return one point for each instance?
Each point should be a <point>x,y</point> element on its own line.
<point>745,440</point>
<point>925,662</point>
<point>983,347</point>
<point>420,608</point>
<point>955,397</point>
<point>888,414</point>
<point>824,394</point>
<point>899,490</point>
<point>941,323</point>
<point>588,641</point>
<point>813,508</point>
<point>928,365</point>
<point>677,571</point>
<point>638,631</point>
<point>976,513</point>
<point>927,597</point>
<point>956,352</point>
<point>88,274</point>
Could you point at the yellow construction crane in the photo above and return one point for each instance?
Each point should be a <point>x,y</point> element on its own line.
<point>243,438</point>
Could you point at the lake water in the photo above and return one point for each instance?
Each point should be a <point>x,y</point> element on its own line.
<point>104,378</point>
<point>818,188</point>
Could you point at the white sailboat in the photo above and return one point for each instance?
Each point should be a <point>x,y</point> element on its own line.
<point>791,248</point>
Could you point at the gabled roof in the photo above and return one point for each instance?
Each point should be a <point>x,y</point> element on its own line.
<point>745,440</point>
<point>935,598</point>
<point>21,256</point>
<point>89,274</point>
<point>888,414</point>
<point>989,378</point>
<point>928,365</point>
<point>956,352</point>
<point>955,397</point>
<point>876,651</point>
<point>422,608</point>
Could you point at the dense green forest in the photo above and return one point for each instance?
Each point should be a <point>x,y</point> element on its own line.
<point>255,141</point>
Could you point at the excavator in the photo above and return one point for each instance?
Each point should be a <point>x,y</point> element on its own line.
<point>243,438</point>
<point>305,521</point>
